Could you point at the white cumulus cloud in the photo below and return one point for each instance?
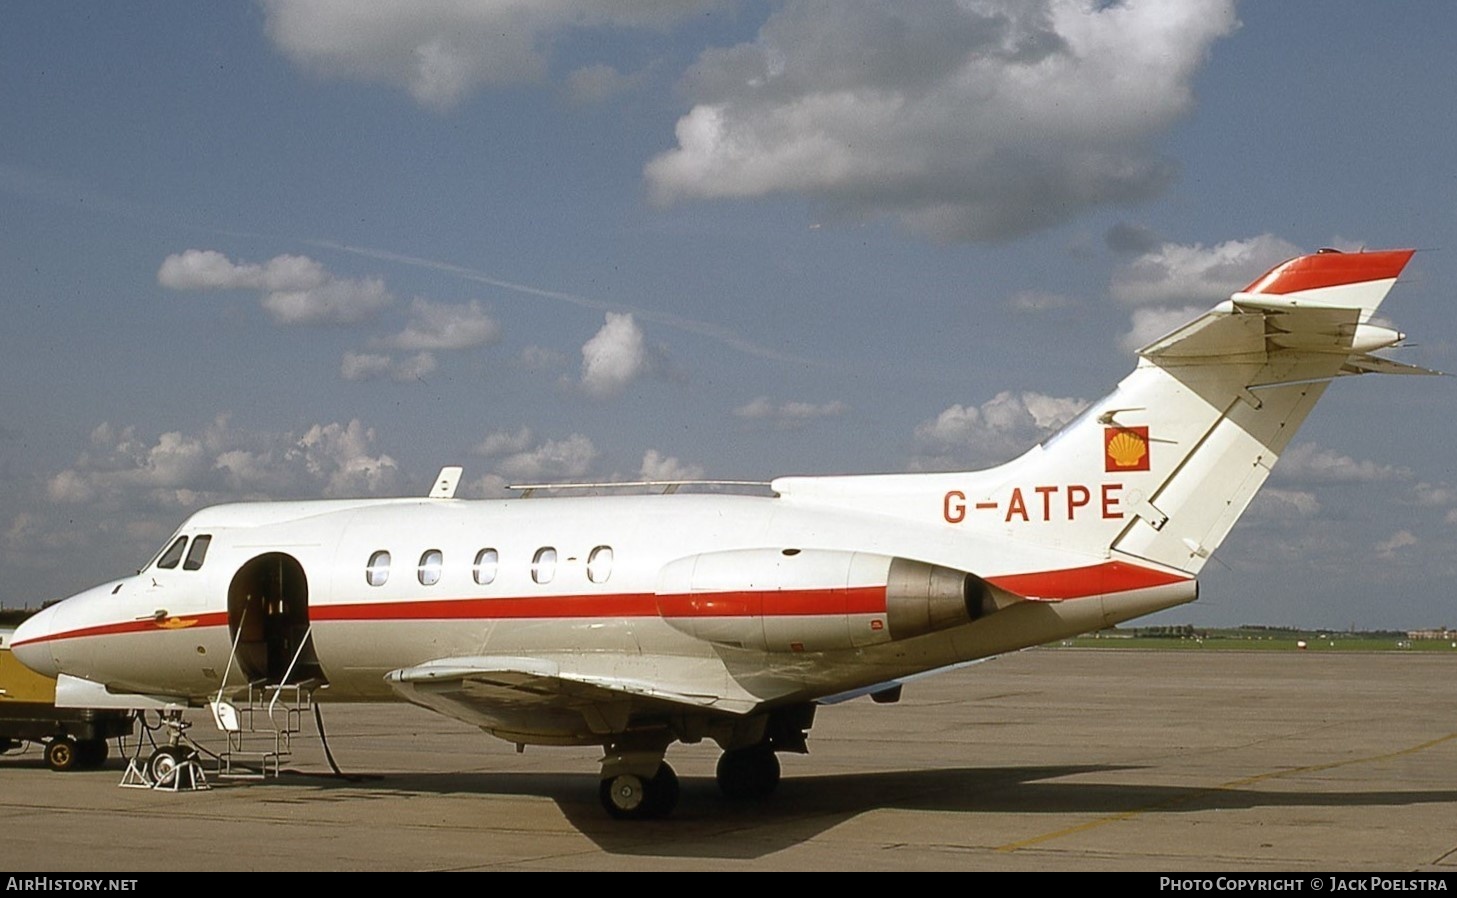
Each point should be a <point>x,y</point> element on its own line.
<point>1312,463</point>
<point>788,414</point>
<point>1280,505</point>
<point>616,356</point>
<point>444,326</point>
<point>125,475</point>
<point>999,429</point>
<point>361,366</point>
<point>1172,283</point>
<point>656,466</point>
<point>504,442</point>
<point>567,458</point>
<point>1147,325</point>
<point>296,289</point>
<point>442,50</point>
<point>1401,539</point>
<point>964,121</point>
<point>1176,273</point>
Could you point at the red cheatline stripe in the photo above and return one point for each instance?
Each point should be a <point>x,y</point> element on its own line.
<point>1330,270</point>
<point>777,603</point>
<point>1078,582</point>
<point>780,603</point>
<point>618,605</point>
<point>1072,583</point>
<point>747,603</point>
<point>211,619</point>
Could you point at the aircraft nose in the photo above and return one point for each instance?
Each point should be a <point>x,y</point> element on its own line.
<point>31,643</point>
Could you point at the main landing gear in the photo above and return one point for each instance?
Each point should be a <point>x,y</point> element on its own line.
<point>637,784</point>
<point>748,773</point>
<point>743,774</point>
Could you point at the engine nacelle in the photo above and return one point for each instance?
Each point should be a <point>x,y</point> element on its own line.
<point>816,600</point>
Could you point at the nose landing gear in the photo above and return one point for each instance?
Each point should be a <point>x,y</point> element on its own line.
<point>171,767</point>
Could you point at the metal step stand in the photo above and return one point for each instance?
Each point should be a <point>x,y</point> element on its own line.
<point>260,731</point>
<point>283,705</point>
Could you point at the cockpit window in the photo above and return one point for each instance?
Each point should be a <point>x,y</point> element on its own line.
<point>173,554</point>
<point>197,553</point>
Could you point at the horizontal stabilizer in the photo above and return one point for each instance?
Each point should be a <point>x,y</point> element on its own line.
<point>1375,364</point>
<point>1330,279</point>
<point>1318,305</point>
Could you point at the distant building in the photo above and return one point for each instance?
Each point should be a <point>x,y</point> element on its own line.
<point>1439,633</point>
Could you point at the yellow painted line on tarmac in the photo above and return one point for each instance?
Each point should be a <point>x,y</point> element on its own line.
<point>1232,784</point>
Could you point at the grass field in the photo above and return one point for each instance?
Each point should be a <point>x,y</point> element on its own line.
<point>1249,640</point>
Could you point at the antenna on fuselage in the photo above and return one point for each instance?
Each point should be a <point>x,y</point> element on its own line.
<point>446,482</point>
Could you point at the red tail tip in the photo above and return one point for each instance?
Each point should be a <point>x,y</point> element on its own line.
<point>1329,268</point>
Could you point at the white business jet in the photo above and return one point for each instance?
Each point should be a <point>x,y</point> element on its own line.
<point>637,621</point>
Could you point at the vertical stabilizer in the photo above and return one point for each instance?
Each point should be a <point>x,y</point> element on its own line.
<point>1190,436</point>
<point>1156,473</point>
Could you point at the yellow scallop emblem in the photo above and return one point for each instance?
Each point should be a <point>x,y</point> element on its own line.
<point>1127,449</point>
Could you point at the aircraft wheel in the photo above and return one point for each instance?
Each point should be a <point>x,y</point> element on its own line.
<point>624,796</point>
<point>663,791</point>
<point>91,753</point>
<point>745,773</point>
<point>61,753</point>
<point>630,797</point>
<point>165,760</point>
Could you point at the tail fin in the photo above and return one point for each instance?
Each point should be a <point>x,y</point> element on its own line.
<point>1159,471</point>
<point>1190,436</point>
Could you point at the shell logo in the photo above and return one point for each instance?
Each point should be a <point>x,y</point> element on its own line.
<point>176,623</point>
<point>1125,449</point>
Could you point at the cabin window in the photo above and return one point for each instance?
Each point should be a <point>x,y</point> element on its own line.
<point>429,572</point>
<point>599,564</point>
<point>378,570</point>
<point>543,564</point>
<point>484,569</point>
<point>197,553</point>
<point>173,554</point>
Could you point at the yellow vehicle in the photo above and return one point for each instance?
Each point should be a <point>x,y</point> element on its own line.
<point>74,738</point>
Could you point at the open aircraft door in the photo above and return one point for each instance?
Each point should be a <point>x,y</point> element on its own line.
<point>268,619</point>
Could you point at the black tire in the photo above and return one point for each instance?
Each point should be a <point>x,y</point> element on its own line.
<point>663,791</point>
<point>165,760</point>
<point>61,754</point>
<point>7,744</point>
<point>748,773</point>
<point>91,753</point>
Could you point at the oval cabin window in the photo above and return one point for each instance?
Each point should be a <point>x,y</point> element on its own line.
<point>430,563</point>
<point>599,564</point>
<point>484,569</point>
<point>543,564</point>
<point>378,570</point>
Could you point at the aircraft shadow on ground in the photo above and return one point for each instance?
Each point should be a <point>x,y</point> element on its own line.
<point>706,825</point>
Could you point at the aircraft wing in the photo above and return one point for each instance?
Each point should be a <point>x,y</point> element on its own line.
<point>507,693</point>
<point>890,687</point>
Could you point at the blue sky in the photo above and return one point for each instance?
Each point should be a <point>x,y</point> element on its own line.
<point>291,250</point>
